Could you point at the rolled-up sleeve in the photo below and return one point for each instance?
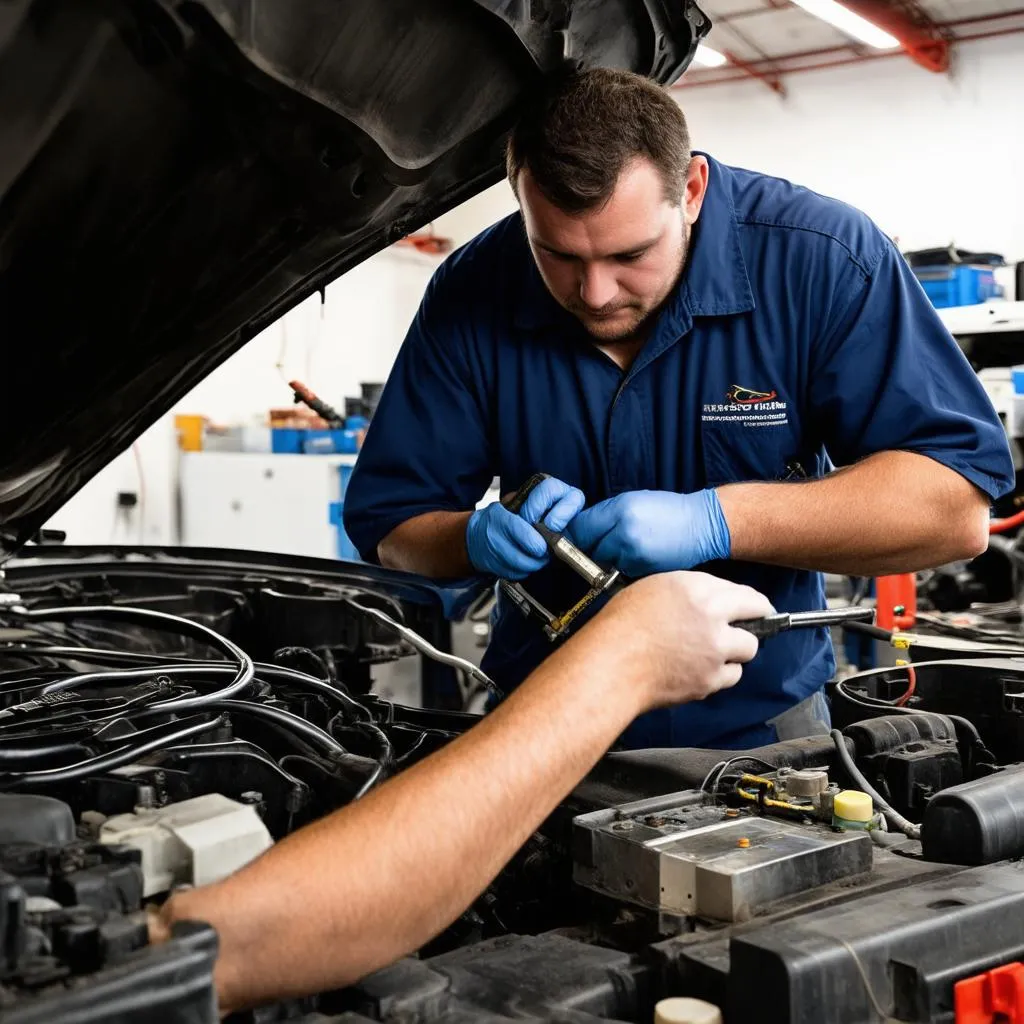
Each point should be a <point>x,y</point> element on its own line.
<point>427,447</point>
<point>887,375</point>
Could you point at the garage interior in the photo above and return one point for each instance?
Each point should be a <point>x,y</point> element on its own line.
<point>210,486</point>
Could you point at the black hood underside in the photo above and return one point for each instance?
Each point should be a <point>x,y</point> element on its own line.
<point>176,174</point>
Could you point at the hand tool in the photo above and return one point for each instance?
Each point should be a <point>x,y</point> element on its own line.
<point>772,625</point>
<point>300,393</point>
<point>599,581</point>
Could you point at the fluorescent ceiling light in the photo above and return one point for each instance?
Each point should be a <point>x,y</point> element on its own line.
<point>708,58</point>
<point>852,24</point>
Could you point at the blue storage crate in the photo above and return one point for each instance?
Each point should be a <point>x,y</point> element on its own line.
<point>330,442</point>
<point>286,441</point>
<point>958,285</point>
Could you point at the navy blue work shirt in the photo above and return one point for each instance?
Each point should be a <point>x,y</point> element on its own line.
<point>796,339</point>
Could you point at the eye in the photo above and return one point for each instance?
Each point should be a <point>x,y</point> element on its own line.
<point>631,257</point>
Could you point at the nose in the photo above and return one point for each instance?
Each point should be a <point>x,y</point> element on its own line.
<point>598,286</point>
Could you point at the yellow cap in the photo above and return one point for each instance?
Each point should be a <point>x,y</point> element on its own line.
<point>853,805</point>
<point>686,1011</point>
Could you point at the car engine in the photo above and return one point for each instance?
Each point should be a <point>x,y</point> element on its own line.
<point>163,721</point>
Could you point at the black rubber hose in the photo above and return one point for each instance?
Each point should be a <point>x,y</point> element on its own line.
<point>387,754</point>
<point>93,654</point>
<point>57,750</point>
<point>246,670</point>
<point>302,680</point>
<point>1007,548</point>
<point>868,629</point>
<point>286,720</point>
<point>898,822</point>
<point>105,762</point>
<point>243,749</point>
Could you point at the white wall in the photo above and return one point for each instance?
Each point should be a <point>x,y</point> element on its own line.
<point>931,159</point>
<point>334,346</point>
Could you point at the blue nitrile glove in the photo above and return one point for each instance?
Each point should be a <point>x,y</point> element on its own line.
<point>643,532</point>
<point>505,543</point>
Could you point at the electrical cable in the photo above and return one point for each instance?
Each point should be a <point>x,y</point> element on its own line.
<point>877,704</point>
<point>244,676</point>
<point>765,801</point>
<point>723,766</point>
<point>427,648</point>
<point>911,687</point>
<point>876,1004</point>
<point>92,654</point>
<point>997,526</point>
<point>895,819</point>
<point>105,762</point>
<point>306,654</point>
<point>387,756</point>
<point>377,775</point>
<point>418,744</point>
<point>279,716</point>
<point>972,632</point>
<point>234,748</point>
<point>301,679</point>
<point>869,629</point>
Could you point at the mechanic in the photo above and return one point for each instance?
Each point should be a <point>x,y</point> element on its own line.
<point>693,348</point>
<point>377,879</point>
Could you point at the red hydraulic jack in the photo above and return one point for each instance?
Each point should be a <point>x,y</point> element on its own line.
<point>995,997</point>
<point>896,598</point>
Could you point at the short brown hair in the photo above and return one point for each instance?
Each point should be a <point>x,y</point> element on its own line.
<point>579,134</point>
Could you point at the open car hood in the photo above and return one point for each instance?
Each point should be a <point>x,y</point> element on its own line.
<point>176,174</point>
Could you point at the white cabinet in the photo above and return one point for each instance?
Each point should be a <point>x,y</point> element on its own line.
<point>261,502</point>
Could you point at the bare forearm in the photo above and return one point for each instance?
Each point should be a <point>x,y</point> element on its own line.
<point>432,544</point>
<point>379,878</point>
<point>893,512</point>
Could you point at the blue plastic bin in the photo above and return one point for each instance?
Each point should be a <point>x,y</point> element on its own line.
<point>958,285</point>
<point>286,440</point>
<point>330,442</point>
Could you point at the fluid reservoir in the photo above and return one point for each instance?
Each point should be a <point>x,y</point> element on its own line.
<point>977,822</point>
<point>686,1011</point>
<point>852,809</point>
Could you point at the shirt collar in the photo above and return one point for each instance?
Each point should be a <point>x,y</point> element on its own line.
<point>715,282</point>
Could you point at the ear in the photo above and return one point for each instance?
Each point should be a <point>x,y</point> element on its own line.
<point>696,189</point>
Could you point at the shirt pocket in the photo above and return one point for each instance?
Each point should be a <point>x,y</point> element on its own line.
<point>735,452</point>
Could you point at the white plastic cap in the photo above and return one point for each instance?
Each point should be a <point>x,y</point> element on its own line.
<point>686,1011</point>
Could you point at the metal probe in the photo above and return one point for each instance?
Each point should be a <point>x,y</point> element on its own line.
<point>772,625</point>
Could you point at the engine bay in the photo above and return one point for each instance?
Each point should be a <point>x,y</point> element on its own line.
<point>165,720</point>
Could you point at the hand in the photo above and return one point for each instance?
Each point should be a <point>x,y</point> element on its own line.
<point>641,532</point>
<point>679,625</point>
<point>505,543</point>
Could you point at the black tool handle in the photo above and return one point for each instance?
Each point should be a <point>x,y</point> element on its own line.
<point>516,502</point>
<point>768,625</point>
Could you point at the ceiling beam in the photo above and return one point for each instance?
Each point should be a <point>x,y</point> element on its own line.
<point>773,81</point>
<point>920,37</point>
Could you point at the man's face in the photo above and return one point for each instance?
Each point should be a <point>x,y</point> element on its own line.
<point>614,266</point>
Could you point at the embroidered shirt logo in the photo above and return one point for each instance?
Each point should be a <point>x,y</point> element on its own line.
<point>749,408</point>
<point>747,396</point>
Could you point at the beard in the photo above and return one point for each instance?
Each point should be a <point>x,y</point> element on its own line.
<point>627,321</point>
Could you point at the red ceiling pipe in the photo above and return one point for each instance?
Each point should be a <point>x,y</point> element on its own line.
<point>920,38</point>
<point>823,65</point>
<point>772,81</point>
